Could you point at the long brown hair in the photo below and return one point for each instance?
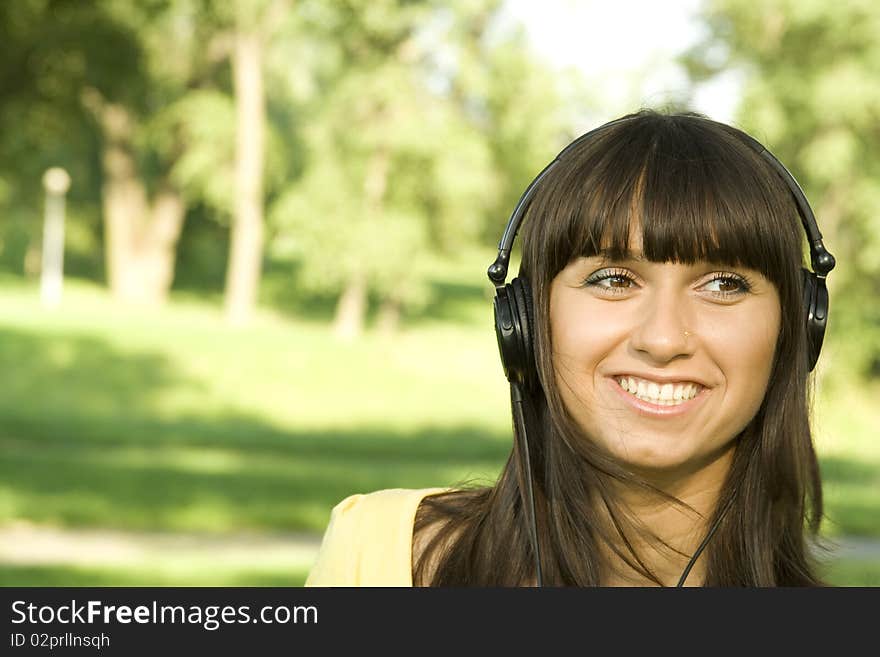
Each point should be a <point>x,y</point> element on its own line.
<point>699,193</point>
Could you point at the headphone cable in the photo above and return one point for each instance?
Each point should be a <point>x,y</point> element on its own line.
<point>705,541</point>
<point>525,463</point>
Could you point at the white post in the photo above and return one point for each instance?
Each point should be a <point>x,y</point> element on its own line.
<point>56,182</point>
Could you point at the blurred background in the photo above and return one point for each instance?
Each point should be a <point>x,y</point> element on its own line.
<point>243,250</point>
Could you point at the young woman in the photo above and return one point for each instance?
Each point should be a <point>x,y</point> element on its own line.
<point>662,336</point>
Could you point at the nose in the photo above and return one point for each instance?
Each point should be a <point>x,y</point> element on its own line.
<point>664,331</point>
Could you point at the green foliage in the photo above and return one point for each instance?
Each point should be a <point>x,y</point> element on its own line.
<point>812,97</point>
<point>428,133</point>
<point>51,51</point>
<point>197,133</point>
<point>396,128</point>
<point>525,108</point>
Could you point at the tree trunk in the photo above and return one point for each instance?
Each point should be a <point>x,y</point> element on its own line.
<point>246,246</point>
<point>166,221</point>
<point>351,308</point>
<point>140,237</point>
<point>388,320</point>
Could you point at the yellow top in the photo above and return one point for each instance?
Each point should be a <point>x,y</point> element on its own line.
<point>368,541</point>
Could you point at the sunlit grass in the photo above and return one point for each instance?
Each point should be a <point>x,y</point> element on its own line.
<point>854,572</point>
<point>848,441</point>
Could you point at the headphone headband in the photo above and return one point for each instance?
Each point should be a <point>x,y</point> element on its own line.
<point>822,261</point>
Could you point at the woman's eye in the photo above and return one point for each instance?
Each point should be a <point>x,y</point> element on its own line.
<point>615,282</point>
<point>727,285</point>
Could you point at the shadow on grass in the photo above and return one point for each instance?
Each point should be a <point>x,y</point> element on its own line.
<point>84,443</point>
<point>189,475</point>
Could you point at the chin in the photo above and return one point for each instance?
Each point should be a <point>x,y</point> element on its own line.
<point>660,466</point>
<point>667,469</point>
<point>648,459</point>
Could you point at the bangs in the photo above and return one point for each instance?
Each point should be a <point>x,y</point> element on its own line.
<point>693,190</point>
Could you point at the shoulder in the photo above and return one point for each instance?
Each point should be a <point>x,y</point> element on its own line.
<point>383,500</point>
<point>368,541</point>
<point>380,510</point>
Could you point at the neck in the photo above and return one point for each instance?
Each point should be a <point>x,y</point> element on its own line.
<point>668,532</point>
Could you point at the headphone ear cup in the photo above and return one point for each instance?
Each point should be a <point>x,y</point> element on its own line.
<point>522,295</point>
<point>513,330</point>
<point>816,313</point>
<point>506,332</point>
<point>529,308</point>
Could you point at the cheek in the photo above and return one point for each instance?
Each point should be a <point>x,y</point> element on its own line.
<point>580,342</point>
<point>579,335</point>
<point>745,347</point>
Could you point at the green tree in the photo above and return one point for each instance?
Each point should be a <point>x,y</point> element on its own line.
<point>50,51</point>
<point>384,151</point>
<point>231,154</point>
<point>811,95</point>
<point>143,208</point>
<point>411,149</point>
<point>101,77</point>
<point>166,97</point>
<point>254,24</point>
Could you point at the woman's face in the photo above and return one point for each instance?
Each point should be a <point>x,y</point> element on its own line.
<point>620,351</point>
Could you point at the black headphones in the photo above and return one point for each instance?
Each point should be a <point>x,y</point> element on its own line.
<point>513,302</point>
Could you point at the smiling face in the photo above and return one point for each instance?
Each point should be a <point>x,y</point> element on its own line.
<point>616,322</point>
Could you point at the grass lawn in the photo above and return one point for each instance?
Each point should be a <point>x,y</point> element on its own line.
<point>205,575</point>
<point>856,572</point>
<point>173,421</point>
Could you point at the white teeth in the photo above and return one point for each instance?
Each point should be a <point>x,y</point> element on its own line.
<point>668,394</point>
